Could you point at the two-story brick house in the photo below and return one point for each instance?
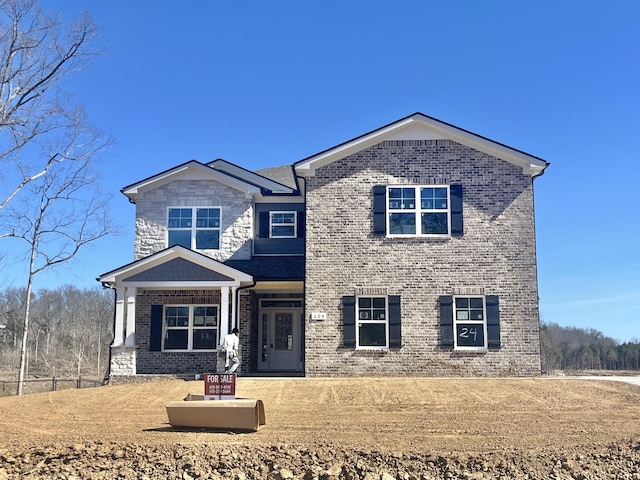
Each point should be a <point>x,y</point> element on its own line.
<point>408,250</point>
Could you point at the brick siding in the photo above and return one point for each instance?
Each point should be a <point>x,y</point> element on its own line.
<point>496,256</point>
<point>179,363</point>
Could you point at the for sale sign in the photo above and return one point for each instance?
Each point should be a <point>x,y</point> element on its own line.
<point>220,386</point>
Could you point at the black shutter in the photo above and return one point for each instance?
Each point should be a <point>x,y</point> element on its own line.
<point>301,224</point>
<point>349,320</point>
<point>395,319</point>
<point>155,336</point>
<point>379,210</point>
<point>263,224</point>
<point>446,321</point>
<point>493,321</point>
<point>457,226</point>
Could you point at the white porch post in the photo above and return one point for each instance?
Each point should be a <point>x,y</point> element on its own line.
<point>130,339</point>
<point>234,308</point>
<point>224,313</point>
<point>118,337</point>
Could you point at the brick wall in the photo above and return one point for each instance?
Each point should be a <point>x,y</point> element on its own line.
<point>236,217</point>
<point>181,363</point>
<point>496,256</point>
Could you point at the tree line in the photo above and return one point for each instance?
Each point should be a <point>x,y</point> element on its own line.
<point>572,348</point>
<point>69,332</point>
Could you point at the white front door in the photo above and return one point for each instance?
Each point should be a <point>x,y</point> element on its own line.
<point>279,332</point>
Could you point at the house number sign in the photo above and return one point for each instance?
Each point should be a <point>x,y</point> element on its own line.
<point>318,316</point>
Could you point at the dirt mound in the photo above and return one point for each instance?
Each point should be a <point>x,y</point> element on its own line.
<point>334,429</point>
<point>185,462</point>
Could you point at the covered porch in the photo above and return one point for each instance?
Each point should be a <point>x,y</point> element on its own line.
<point>172,311</point>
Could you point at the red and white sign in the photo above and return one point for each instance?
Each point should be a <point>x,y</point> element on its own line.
<point>220,386</point>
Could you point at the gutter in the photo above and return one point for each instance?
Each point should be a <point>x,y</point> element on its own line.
<point>236,300</point>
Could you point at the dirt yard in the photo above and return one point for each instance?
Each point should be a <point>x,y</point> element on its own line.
<point>542,428</point>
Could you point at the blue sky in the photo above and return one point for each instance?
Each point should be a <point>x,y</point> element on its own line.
<point>269,83</point>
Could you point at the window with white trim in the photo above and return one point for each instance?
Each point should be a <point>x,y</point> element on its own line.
<point>197,228</point>
<point>469,323</point>
<point>418,210</point>
<point>372,327</point>
<point>282,224</point>
<point>190,328</point>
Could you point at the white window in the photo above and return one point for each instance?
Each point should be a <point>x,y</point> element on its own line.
<point>197,228</point>
<point>470,323</point>
<point>371,323</point>
<point>190,327</point>
<point>418,210</point>
<point>282,224</point>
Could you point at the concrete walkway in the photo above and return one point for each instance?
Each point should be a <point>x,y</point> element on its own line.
<point>635,380</point>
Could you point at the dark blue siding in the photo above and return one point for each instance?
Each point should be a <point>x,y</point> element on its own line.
<point>263,245</point>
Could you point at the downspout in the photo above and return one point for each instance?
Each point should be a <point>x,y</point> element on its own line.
<point>535,242</point>
<point>236,302</point>
<point>304,279</point>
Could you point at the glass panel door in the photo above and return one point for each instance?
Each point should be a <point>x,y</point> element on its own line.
<point>280,339</point>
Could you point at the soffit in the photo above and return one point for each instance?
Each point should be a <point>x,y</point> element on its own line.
<point>421,127</point>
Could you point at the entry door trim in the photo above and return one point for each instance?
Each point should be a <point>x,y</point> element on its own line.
<point>266,319</point>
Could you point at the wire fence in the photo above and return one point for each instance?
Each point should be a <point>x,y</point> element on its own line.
<point>39,385</point>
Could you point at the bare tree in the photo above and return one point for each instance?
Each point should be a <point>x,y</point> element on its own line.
<point>64,212</point>
<point>40,126</point>
<point>46,143</point>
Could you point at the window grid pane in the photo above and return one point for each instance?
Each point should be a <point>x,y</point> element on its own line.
<point>283,224</point>
<point>372,322</point>
<point>470,323</point>
<point>190,327</point>
<point>187,226</point>
<point>431,212</point>
<point>207,239</point>
<point>208,218</point>
<point>402,198</point>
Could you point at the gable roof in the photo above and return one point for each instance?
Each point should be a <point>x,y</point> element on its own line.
<point>283,174</point>
<point>191,170</point>
<point>422,127</point>
<point>271,184</point>
<point>219,170</point>
<point>177,266</point>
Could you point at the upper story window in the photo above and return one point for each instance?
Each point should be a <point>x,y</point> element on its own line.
<point>190,327</point>
<point>419,210</point>
<point>282,224</point>
<point>197,228</point>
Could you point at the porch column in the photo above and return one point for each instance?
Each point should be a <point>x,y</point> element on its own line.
<point>224,313</point>
<point>118,335</point>
<point>130,339</point>
<point>234,308</point>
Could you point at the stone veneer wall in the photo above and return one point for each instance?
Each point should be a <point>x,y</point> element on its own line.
<point>181,363</point>
<point>496,256</point>
<point>236,217</point>
<point>123,360</point>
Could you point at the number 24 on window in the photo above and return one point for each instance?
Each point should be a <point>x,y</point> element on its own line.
<point>466,332</point>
